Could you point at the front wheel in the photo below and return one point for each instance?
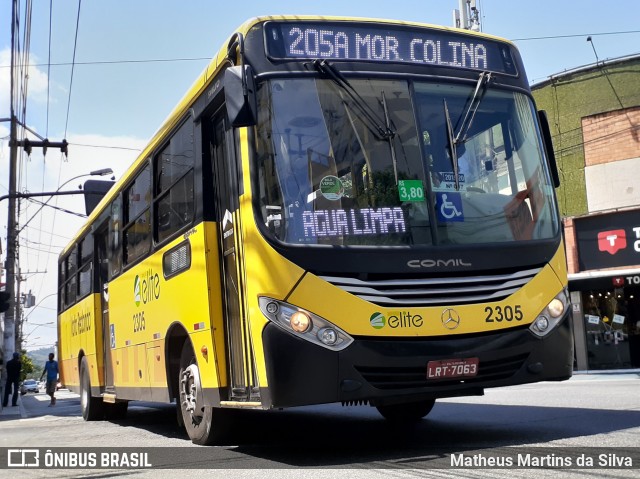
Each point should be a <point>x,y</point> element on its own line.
<point>407,412</point>
<point>92,407</point>
<point>197,418</point>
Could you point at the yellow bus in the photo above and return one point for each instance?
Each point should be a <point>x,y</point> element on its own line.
<point>339,210</point>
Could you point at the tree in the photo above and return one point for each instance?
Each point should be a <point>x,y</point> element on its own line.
<point>27,365</point>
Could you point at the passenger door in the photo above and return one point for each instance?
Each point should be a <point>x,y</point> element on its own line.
<point>243,384</point>
<point>108,336</point>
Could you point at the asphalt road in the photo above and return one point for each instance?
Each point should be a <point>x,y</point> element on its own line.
<point>595,413</point>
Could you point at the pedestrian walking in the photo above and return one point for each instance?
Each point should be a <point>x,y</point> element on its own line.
<point>14,366</point>
<point>51,369</point>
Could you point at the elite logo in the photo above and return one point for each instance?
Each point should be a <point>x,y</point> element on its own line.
<point>612,241</point>
<point>146,288</point>
<point>136,290</point>
<point>378,320</point>
<point>396,319</point>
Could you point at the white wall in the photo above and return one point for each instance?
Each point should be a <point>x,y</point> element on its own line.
<point>613,185</point>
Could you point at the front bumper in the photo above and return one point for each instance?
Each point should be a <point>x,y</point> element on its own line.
<point>387,371</point>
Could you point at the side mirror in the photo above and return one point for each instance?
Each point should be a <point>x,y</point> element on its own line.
<point>94,191</point>
<point>548,146</point>
<point>240,96</point>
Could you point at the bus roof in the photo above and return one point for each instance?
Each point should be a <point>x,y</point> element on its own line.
<point>212,69</point>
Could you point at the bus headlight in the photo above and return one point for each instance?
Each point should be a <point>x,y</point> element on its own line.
<point>304,324</point>
<point>328,336</point>
<point>300,321</point>
<point>549,318</point>
<point>556,308</point>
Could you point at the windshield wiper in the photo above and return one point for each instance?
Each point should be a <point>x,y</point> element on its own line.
<point>452,144</point>
<point>375,122</point>
<point>470,113</point>
<point>387,122</point>
<point>455,139</point>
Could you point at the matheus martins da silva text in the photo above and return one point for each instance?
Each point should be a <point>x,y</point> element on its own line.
<point>547,460</point>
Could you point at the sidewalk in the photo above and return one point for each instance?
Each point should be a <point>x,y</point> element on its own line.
<point>605,375</point>
<point>13,412</point>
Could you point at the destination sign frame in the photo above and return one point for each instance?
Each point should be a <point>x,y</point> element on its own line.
<point>386,43</point>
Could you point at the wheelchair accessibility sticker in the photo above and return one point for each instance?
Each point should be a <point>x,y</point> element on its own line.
<point>449,206</point>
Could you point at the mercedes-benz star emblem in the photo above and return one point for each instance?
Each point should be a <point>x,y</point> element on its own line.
<point>450,319</point>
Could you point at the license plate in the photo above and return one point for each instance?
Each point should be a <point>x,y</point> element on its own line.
<point>452,368</point>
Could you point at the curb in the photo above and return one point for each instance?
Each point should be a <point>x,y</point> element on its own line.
<point>8,413</point>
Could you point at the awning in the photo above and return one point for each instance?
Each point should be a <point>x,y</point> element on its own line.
<point>599,279</point>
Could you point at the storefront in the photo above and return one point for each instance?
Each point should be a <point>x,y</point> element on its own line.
<point>605,293</point>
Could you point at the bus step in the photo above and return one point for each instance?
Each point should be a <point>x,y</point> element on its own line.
<point>108,397</point>
<point>241,404</point>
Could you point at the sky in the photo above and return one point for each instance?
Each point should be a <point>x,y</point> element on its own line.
<point>134,60</point>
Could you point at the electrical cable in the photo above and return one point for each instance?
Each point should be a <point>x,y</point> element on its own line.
<point>49,67</point>
<point>554,37</point>
<point>73,63</point>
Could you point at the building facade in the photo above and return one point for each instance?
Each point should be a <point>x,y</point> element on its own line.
<point>594,114</point>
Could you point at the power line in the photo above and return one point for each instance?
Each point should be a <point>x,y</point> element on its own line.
<point>50,233</point>
<point>561,134</point>
<point>599,138</point>
<point>554,37</point>
<point>106,147</point>
<point>116,62</point>
<point>191,59</point>
<point>49,66</point>
<point>57,247</point>
<point>64,210</point>
<point>75,46</point>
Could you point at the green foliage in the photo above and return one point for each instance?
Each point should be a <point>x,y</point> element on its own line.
<point>28,368</point>
<point>567,100</point>
<point>34,362</point>
<point>381,191</point>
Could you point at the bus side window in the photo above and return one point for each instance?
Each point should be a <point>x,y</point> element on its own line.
<point>137,229</point>
<point>174,184</point>
<point>62,282</point>
<point>85,269</point>
<point>115,238</point>
<point>71,288</point>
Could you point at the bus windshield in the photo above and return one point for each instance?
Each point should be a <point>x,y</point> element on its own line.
<point>376,168</point>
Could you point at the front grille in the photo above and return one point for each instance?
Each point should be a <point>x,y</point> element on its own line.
<point>438,291</point>
<point>416,377</point>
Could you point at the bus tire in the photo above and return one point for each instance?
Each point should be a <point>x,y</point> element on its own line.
<point>179,417</point>
<point>204,424</point>
<point>407,412</point>
<point>92,407</point>
<point>115,411</point>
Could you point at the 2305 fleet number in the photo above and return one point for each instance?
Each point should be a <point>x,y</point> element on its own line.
<point>503,313</point>
<point>139,322</point>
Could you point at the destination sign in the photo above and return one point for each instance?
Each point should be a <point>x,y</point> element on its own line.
<point>356,222</point>
<point>389,43</point>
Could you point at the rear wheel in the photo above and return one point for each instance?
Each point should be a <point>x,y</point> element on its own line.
<point>92,407</point>
<point>407,412</point>
<point>204,424</point>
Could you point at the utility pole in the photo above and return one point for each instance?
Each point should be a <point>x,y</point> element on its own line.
<point>467,16</point>
<point>10,339</point>
<point>17,308</point>
<point>9,315</point>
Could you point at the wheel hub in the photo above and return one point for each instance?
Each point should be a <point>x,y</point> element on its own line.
<point>191,392</point>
